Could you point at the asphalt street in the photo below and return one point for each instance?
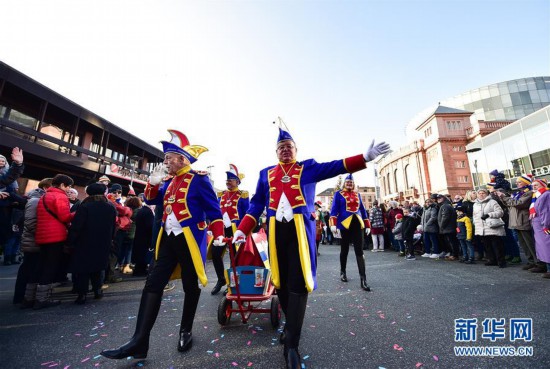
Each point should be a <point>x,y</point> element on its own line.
<point>407,321</point>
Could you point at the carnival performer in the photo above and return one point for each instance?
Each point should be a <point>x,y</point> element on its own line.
<point>348,214</point>
<point>287,190</point>
<point>189,200</point>
<point>234,204</point>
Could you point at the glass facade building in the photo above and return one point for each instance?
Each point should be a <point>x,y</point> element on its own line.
<point>519,148</point>
<point>503,101</point>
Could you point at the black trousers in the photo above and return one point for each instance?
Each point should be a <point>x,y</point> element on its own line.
<point>290,268</point>
<point>173,250</point>
<point>354,235</point>
<point>51,258</point>
<point>81,281</point>
<point>494,249</point>
<point>217,255</point>
<point>28,273</point>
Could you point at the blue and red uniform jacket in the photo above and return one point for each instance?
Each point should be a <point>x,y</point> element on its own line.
<point>300,192</point>
<point>345,205</point>
<point>234,204</point>
<point>191,197</point>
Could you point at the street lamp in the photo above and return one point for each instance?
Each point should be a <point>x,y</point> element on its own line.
<point>476,180</point>
<point>134,161</point>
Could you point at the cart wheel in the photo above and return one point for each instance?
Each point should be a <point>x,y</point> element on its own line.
<point>224,311</point>
<point>275,312</point>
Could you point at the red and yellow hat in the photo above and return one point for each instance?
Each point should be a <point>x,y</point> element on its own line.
<point>179,144</point>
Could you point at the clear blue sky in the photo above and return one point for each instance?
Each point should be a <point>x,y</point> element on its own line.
<point>340,73</point>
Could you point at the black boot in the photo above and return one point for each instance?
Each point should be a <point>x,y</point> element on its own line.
<point>190,304</point>
<point>343,276</point>
<point>98,294</point>
<point>218,286</point>
<point>139,344</point>
<point>81,299</point>
<point>283,300</point>
<point>297,309</point>
<point>362,273</point>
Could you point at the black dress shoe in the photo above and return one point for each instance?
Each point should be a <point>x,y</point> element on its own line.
<point>282,337</point>
<point>98,294</point>
<point>185,342</point>
<point>218,287</point>
<point>293,360</point>
<point>128,350</point>
<point>81,299</point>
<point>343,277</point>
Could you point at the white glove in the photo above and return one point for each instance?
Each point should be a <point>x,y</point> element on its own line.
<point>209,233</point>
<point>333,229</point>
<point>156,175</point>
<point>375,150</point>
<point>367,231</point>
<point>219,241</point>
<point>239,237</point>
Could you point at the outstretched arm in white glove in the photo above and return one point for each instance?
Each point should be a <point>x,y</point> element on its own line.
<point>375,150</point>
<point>239,237</point>
<point>156,175</point>
<point>333,229</point>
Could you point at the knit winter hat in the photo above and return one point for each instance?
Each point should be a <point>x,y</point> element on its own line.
<point>526,178</point>
<point>96,189</point>
<point>543,182</point>
<point>398,216</point>
<point>494,173</point>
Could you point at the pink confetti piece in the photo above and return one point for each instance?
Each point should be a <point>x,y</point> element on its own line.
<point>312,326</point>
<point>88,345</point>
<point>217,354</point>
<point>78,334</point>
<point>67,367</point>
<point>84,360</point>
<point>397,347</point>
<point>418,365</point>
<point>382,316</point>
<point>353,334</point>
<point>52,365</point>
<point>254,332</point>
<point>96,341</point>
<point>330,309</point>
<point>393,322</point>
<point>248,343</point>
<point>234,364</point>
<point>436,358</point>
<point>47,363</point>
<point>249,363</point>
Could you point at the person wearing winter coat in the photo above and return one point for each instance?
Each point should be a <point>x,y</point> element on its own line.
<point>27,275</point>
<point>89,239</point>
<point>489,226</point>
<point>392,212</point>
<point>446,220</point>
<point>142,240</point>
<point>540,219</point>
<point>518,204</point>
<point>430,229</point>
<point>377,227</point>
<point>397,232</point>
<point>410,221</point>
<point>465,235</point>
<point>53,218</point>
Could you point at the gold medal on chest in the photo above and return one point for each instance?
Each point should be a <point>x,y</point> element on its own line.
<point>172,199</point>
<point>285,179</point>
<point>168,209</point>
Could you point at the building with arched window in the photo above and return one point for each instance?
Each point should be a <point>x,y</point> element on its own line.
<point>436,160</point>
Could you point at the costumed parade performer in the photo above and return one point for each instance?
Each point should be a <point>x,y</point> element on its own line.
<point>349,216</point>
<point>188,199</point>
<point>287,191</point>
<point>234,204</point>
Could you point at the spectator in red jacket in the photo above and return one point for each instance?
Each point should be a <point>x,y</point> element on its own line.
<point>53,218</point>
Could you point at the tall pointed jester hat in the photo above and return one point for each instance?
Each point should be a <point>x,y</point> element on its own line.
<point>233,173</point>
<point>179,144</point>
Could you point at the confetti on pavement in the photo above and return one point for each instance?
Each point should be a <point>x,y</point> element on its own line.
<point>397,347</point>
<point>436,358</point>
<point>418,365</point>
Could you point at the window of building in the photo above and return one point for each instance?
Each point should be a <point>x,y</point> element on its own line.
<point>428,132</point>
<point>463,179</point>
<point>454,125</point>
<point>458,148</point>
<point>432,154</point>
<point>460,164</point>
